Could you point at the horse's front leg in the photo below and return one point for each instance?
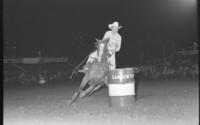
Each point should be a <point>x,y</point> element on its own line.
<point>86,92</point>
<point>100,83</point>
<point>95,88</point>
<point>77,94</point>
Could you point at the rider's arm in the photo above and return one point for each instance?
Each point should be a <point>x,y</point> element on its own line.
<point>118,47</point>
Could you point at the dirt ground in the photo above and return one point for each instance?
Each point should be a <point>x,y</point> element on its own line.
<point>173,102</point>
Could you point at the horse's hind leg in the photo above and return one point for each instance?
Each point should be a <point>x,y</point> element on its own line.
<point>77,94</point>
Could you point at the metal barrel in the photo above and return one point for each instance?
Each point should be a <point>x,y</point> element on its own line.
<point>121,87</point>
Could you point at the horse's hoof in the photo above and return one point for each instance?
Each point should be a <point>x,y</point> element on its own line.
<point>82,94</point>
<point>70,102</point>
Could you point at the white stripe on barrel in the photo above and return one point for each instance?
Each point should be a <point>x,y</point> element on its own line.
<point>124,89</point>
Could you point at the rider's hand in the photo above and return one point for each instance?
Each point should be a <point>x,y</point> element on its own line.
<point>111,53</point>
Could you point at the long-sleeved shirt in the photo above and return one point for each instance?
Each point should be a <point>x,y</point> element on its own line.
<point>114,44</point>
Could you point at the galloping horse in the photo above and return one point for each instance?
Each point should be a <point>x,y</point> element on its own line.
<point>95,75</point>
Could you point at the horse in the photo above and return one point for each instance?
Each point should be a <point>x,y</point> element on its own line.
<point>95,75</point>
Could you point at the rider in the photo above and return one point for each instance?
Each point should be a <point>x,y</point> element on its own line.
<point>114,44</point>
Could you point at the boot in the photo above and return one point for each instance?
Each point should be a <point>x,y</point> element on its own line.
<point>83,70</point>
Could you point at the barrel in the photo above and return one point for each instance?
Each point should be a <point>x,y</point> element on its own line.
<point>121,87</point>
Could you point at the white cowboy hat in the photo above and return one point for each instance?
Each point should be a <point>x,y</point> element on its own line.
<point>114,24</point>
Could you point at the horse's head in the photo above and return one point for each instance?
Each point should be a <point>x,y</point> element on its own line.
<point>99,41</point>
<point>102,48</point>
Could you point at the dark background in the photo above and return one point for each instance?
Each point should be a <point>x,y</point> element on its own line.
<point>69,27</point>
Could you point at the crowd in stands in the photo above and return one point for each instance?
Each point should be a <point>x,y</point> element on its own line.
<point>179,69</point>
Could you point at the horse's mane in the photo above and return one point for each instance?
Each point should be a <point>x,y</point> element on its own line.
<point>104,55</point>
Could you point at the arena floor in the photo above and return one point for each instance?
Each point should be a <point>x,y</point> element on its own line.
<point>173,102</point>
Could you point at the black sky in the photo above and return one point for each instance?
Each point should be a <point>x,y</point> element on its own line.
<point>68,27</point>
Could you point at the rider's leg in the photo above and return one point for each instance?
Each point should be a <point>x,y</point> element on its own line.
<point>92,56</point>
<point>90,59</point>
<point>112,61</point>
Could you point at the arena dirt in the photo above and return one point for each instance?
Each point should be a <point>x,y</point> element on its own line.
<point>173,102</point>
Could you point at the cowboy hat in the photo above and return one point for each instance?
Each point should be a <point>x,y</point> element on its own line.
<point>114,24</point>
